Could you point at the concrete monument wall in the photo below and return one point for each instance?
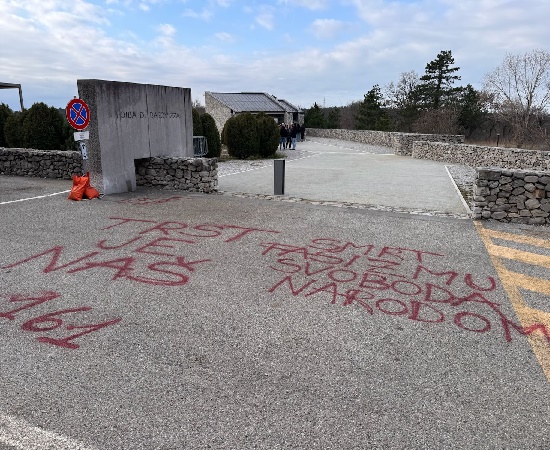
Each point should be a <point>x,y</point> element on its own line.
<point>131,121</point>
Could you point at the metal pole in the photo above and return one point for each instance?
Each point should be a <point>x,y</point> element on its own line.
<point>21,98</point>
<point>279,176</point>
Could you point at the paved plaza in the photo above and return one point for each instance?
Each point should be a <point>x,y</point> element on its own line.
<point>363,309</point>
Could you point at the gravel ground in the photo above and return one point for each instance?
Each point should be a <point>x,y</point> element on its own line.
<point>463,176</point>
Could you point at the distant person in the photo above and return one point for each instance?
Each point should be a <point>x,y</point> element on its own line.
<point>299,133</point>
<point>293,133</point>
<point>303,132</point>
<point>288,136</point>
<point>283,136</point>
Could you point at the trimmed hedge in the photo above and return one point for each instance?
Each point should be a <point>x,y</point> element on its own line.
<point>247,136</point>
<point>210,132</point>
<point>269,135</point>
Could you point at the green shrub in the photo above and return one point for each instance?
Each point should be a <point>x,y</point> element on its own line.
<point>224,134</point>
<point>13,130</point>
<point>43,128</point>
<point>242,136</point>
<point>68,142</point>
<point>268,132</point>
<point>197,123</point>
<point>212,136</point>
<point>5,112</point>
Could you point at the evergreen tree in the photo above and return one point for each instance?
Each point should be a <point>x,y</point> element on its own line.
<point>268,132</point>
<point>471,112</point>
<point>212,135</point>
<point>333,118</point>
<point>371,116</point>
<point>13,130</point>
<point>5,112</point>
<point>43,128</point>
<point>314,117</point>
<point>436,86</point>
<point>197,123</point>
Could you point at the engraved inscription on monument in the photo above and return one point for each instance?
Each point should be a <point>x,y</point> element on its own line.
<point>145,115</point>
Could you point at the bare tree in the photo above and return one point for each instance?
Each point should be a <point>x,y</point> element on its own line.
<point>520,87</point>
<point>404,100</point>
<point>401,95</point>
<point>443,120</point>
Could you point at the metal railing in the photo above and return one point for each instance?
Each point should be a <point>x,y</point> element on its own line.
<point>200,146</point>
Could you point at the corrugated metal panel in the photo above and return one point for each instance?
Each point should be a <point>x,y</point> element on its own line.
<point>289,106</point>
<point>249,101</point>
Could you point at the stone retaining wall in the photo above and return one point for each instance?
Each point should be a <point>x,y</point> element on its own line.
<point>189,174</point>
<point>401,143</point>
<point>40,163</point>
<point>480,156</point>
<point>520,196</point>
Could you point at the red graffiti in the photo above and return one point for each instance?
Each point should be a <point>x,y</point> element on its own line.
<point>393,281</point>
<point>50,321</point>
<point>154,253</point>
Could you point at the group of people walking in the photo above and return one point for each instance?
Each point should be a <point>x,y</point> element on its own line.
<point>290,134</point>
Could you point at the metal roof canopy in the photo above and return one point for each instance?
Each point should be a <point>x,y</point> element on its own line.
<point>252,102</point>
<point>14,86</point>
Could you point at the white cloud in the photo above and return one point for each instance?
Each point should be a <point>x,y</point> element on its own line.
<point>204,14</point>
<point>309,4</point>
<point>390,37</point>
<point>266,20</point>
<point>326,28</point>
<point>166,29</point>
<point>225,37</point>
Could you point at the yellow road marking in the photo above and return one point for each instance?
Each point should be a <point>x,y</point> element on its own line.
<point>512,281</point>
<point>543,243</point>
<point>519,255</point>
<point>531,283</point>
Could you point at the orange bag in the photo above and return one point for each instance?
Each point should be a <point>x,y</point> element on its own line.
<point>91,192</point>
<point>79,186</point>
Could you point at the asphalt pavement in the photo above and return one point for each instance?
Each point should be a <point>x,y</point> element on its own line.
<point>169,320</point>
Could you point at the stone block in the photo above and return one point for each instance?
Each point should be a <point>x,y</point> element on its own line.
<point>532,203</point>
<point>518,190</point>
<point>498,215</point>
<point>488,174</point>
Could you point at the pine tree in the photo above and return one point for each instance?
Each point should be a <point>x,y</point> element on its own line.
<point>314,117</point>
<point>5,112</point>
<point>436,86</point>
<point>371,116</point>
<point>333,118</point>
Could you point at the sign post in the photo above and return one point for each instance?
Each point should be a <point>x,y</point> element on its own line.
<point>78,116</point>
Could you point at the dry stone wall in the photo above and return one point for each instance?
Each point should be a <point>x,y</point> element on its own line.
<point>479,156</point>
<point>401,143</point>
<point>189,174</point>
<point>519,196</point>
<point>40,163</point>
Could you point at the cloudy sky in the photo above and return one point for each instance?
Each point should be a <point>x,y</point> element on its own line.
<point>326,51</point>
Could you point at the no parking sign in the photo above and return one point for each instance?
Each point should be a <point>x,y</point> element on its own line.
<point>78,114</point>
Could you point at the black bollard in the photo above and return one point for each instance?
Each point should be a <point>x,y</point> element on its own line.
<point>279,173</point>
